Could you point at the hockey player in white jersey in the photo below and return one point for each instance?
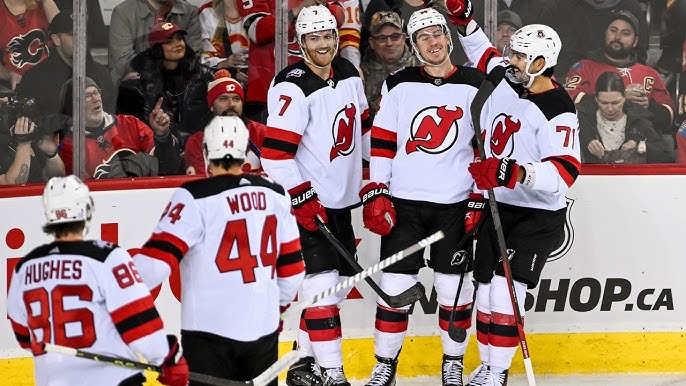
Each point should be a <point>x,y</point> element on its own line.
<point>314,146</point>
<point>236,243</point>
<point>420,150</point>
<point>531,137</point>
<point>86,294</point>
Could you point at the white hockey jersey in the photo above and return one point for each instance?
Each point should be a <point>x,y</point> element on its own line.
<point>238,249</point>
<point>86,295</point>
<point>317,131</point>
<point>422,135</point>
<point>538,129</point>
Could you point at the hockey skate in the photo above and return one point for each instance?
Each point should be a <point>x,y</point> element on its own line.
<point>480,377</point>
<point>499,379</point>
<point>304,373</point>
<point>334,377</point>
<point>383,373</point>
<point>452,370</point>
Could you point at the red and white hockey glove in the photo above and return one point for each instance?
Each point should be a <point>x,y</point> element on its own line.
<point>378,213</point>
<point>460,12</point>
<point>306,206</point>
<point>475,210</point>
<point>494,172</point>
<point>174,366</point>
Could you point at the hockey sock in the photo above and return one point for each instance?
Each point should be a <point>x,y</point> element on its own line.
<point>483,320</point>
<point>324,329</point>
<point>462,319</point>
<point>503,338</point>
<point>304,344</point>
<point>390,328</point>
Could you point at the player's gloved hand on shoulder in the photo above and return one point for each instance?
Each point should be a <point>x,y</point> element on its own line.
<point>475,210</point>
<point>378,212</point>
<point>174,366</point>
<point>306,206</point>
<point>494,172</point>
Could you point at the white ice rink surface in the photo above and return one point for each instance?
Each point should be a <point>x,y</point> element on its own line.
<point>567,380</point>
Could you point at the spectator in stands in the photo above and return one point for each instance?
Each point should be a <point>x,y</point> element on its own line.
<point>508,23</point>
<point>528,10</point>
<point>581,25</point>
<point>23,30</point>
<point>225,98</point>
<point>643,84</point>
<point>259,22</point>
<point>172,71</point>
<point>612,129</point>
<point>44,81</point>
<point>388,51</point>
<point>224,41</point>
<point>367,10</point>
<point>29,154</point>
<point>131,23</point>
<point>121,145</point>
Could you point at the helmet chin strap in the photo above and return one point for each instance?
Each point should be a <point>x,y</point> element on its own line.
<point>527,78</point>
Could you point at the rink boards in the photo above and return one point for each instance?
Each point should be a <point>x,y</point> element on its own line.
<point>611,298</point>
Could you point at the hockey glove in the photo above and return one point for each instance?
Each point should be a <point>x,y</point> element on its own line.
<point>174,366</point>
<point>378,213</point>
<point>475,210</point>
<point>494,172</point>
<point>460,12</point>
<point>306,206</point>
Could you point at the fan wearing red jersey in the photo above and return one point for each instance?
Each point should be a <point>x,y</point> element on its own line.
<point>231,235</point>
<point>86,294</point>
<point>531,141</point>
<point>314,146</point>
<point>420,151</point>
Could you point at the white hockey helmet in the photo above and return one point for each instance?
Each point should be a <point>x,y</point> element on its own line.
<point>536,40</point>
<point>225,136</point>
<point>67,199</point>
<point>315,18</point>
<point>427,17</point>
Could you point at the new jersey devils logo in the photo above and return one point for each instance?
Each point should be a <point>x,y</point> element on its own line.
<point>433,130</point>
<point>503,129</point>
<point>343,131</point>
<point>27,49</point>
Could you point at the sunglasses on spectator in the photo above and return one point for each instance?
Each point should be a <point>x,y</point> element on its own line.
<point>384,38</point>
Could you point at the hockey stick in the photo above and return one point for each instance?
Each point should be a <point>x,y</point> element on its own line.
<point>263,379</point>
<point>459,334</point>
<point>403,299</point>
<point>349,282</point>
<point>482,95</point>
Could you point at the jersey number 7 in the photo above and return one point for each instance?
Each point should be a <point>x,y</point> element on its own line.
<point>236,233</point>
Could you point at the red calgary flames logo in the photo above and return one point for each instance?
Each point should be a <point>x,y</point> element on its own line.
<point>433,130</point>
<point>503,129</point>
<point>343,131</point>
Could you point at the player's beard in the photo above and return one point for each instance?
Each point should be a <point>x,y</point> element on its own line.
<point>320,60</point>
<point>617,53</point>
<point>516,76</point>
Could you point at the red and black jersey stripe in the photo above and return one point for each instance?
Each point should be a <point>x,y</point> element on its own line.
<point>137,319</point>
<point>568,167</point>
<point>489,54</point>
<point>366,122</point>
<point>391,320</point>
<point>290,261</point>
<point>22,334</point>
<point>165,247</point>
<point>280,144</point>
<point>462,319</point>
<point>384,143</point>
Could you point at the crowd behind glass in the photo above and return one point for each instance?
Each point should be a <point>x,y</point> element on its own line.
<point>158,70</point>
